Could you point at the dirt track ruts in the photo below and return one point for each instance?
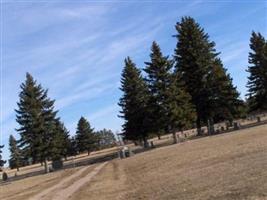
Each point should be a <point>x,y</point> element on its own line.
<point>61,191</point>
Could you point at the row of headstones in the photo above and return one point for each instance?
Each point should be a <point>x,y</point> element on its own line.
<point>126,151</point>
<point>56,165</point>
<point>252,118</point>
<point>235,125</point>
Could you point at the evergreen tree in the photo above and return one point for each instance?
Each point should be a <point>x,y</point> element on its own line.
<point>134,104</point>
<point>72,151</point>
<point>257,80</point>
<point>67,150</point>
<point>158,77</point>
<point>105,138</point>
<point>180,112</point>
<point>202,72</point>
<point>61,142</point>
<point>85,137</point>
<point>225,103</point>
<point>2,162</point>
<point>15,160</point>
<point>36,117</point>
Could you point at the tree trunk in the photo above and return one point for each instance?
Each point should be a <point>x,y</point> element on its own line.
<point>175,139</point>
<point>159,137</point>
<point>209,127</point>
<point>17,169</point>
<point>198,127</point>
<point>231,122</point>
<point>212,129</point>
<point>46,166</point>
<point>88,152</point>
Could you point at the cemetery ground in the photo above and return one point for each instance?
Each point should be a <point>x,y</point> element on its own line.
<point>225,166</point>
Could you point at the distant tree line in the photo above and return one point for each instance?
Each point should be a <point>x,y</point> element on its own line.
<point>190,89</point>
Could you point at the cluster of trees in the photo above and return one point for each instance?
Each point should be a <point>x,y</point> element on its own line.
<point>192,88</point>
<point>43,136</point>
<point>105,139</point>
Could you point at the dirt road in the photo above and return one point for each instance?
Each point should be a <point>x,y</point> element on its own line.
<point>69,185</point>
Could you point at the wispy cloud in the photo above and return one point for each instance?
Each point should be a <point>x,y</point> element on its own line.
<point>101,114</point>
<point>232,52</point>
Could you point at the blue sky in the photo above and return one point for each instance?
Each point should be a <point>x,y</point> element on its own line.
<point>77,48</point>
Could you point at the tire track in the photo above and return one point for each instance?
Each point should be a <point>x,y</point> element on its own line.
<point>59,185</point>
<point>67,192</point>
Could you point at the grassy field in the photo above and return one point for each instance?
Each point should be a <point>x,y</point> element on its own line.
<point>226,166</point>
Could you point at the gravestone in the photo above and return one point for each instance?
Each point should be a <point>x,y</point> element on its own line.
<point>152,144</point>
<point>228,125</point>
<point>4,176</point>
<point>57,164</point>
<point>236,126</point>
<point>125,152</point>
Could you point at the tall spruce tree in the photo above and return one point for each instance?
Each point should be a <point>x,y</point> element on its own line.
<point>61,141</point>
<point>73,147</point>
<point>225,103</point>
<point>134,104</point>
<point>180,111</point>
<point>257,80</point>
<point>2,162</point>
<point>15,160</point>
<point>158,72</point>
<point>67,149</point>
<point>85,137</point>
<point>36,117</point>
<point>200,69</point>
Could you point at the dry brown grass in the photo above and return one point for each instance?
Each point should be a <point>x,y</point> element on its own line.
<point>25,188</point>
<point>228,166</point>
<point>71,160</point>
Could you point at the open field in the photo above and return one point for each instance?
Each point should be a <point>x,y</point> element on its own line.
<point>226,166</point>
<point>83,159</point>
